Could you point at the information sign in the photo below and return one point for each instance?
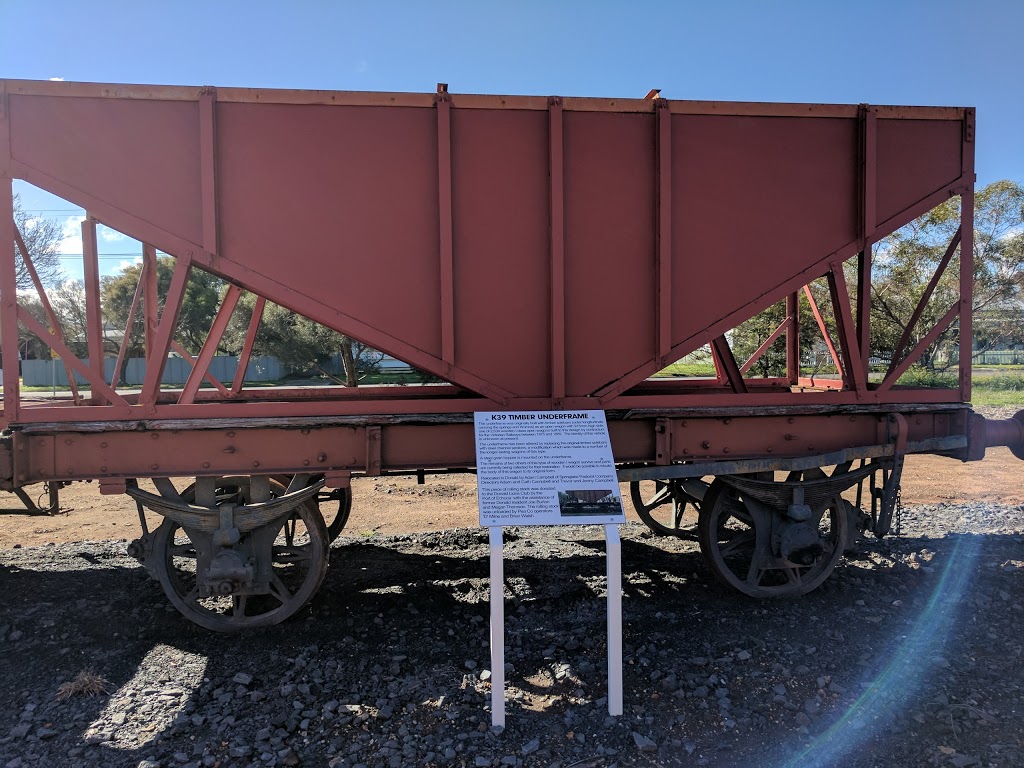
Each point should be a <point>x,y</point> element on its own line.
<point>546,468</point>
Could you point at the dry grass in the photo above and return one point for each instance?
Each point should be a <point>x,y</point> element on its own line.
<point>86,683</point>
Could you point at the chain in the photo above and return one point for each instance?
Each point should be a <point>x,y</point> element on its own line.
<point>898,528</point>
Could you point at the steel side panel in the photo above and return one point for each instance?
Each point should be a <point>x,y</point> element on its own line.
<point>502,301</point>
<point>140,156</point>
<point>196,452</point>
<point>774,436</point>
<point>269,450</point>
<point>610,216</point>
<point>756,200</point>
<point>915,157</point>
<point>340,203</point>
<point>444,445</point>
<point>337,205</point>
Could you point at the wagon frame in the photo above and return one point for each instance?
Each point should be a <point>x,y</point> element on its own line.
<point>499,222</point>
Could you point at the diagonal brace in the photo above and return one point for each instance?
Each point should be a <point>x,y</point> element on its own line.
<point>759,352</point>
<point>824,333</point>
<point>919,309</point>
<point>732,371</point>
<point>201,367</point>
<point>88,373</point>
<point>47,308</point>
<point>893,375</point>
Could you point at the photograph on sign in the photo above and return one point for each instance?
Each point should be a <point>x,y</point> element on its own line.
<point>546,468</point>
<point>574,503</point>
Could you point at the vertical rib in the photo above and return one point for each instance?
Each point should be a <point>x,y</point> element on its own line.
<point>557,204</point>
<point>150,297</point>
<point>664,255</point>
<point>444,200</point>
<point>93,314</point>
<point>8,303</point>
<point>208,166</point>
<point>793,338</point>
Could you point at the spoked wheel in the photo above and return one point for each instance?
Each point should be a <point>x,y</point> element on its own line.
<point>264,578</point>
<point>334,505</point>
<point>665,507</point>
<point>761,550</point>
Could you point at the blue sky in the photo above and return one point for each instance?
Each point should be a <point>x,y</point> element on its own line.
<point>921,53</point>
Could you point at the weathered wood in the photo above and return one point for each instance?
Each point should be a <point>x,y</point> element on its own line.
<point>305,422</point>
<point>466,418</point>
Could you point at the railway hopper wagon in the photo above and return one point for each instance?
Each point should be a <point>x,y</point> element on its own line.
<point>531,253</point>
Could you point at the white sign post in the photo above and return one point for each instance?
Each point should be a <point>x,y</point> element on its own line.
<point>548,468</point>
<point>613,562</point>
<point>497,629</point>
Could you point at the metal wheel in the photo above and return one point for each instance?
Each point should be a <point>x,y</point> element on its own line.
<point>335,518</point>
<point>762,550</point>
<point>662,505</point>
<point>265,577</point>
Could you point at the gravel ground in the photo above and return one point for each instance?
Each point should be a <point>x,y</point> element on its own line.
<point>909,655</point>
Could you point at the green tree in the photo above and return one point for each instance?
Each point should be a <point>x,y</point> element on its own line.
<point>748,336</point>
<point>202,298</point>
<point>906,260</point>
<point>300,343</point>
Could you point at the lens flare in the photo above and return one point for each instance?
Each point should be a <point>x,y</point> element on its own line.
<point>908,667</point>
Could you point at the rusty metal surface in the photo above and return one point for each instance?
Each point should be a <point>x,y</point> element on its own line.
<point>989,433</point>
<point>532,251</point>
<point>468,101</point>
<point>280,447</point>
<point>816,493</point>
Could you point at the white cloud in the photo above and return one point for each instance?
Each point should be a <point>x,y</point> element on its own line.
<point>123,265</point>
<point>72,232</point>
<point>110,235</point>
<point>30,224</point>
<point>57,79</point>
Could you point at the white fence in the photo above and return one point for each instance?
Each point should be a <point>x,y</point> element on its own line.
<point>46,373</point>
<point>1000,357</point>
